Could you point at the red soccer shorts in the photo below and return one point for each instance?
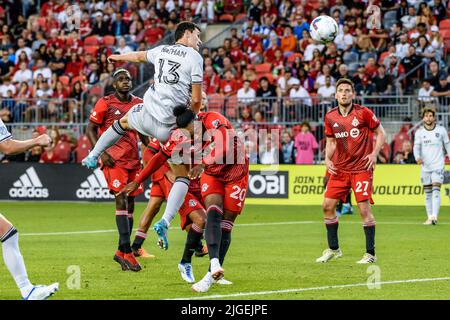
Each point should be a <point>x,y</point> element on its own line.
<point>161,189</point>
<point>233,193</point>
<point>118,177</point>
<point>339,186</point>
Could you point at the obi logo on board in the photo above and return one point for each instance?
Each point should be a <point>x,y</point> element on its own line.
<point>274,185</point>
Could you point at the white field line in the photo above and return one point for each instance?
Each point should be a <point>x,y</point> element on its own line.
<point>237,225</point>
<point>262,293</point>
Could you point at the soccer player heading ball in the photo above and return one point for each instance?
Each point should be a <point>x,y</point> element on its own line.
<point>350,159</point>
<point>429,143</point>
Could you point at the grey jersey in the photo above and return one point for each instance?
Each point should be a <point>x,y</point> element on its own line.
<point>429,146</point>
<point>177,67</point>
<point>4,133</point>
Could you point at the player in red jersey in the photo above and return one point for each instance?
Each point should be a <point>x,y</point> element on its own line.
<point>350,158</point>
<point>120,163</point>
<point>192,212</point>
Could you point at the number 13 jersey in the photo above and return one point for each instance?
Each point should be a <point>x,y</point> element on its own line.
<point>177,67</point>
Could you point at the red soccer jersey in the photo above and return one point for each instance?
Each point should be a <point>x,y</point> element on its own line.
<point>152,149</point>
<point>354,137</point>
<point>107,110</point>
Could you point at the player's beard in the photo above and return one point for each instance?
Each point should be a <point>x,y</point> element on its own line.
<point>345,105</point>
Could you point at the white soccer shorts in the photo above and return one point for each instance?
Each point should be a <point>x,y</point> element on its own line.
<point>430,177</point>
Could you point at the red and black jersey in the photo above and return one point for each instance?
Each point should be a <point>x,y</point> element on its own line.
<point>152,149</point>
<point>107,110</point>
<point>354,137</point>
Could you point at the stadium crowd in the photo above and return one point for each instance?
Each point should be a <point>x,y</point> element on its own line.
<point>267,71</point>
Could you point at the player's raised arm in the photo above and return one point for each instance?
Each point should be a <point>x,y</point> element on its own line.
<point>10,146</point>
<point>135,56</point>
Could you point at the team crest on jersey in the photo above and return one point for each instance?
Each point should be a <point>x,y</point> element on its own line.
<point>437,134</point>
<point>116,183</point>
<point>355,122</point>
<point>205,187</point>
<point>354,132</point>
<point>192,203</point>
<point>216,123</point>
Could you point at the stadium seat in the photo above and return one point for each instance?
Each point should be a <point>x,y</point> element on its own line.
<point>444,24</point>
<point>382,57</point>
<point>241,16</point>
<point>350,57</point>
<point>91,41</point>
<point>292,57</point>
<point>79,78</point>
<point>215,102</point>
<point>82,149</point>
<point>109,41</point>
<point>65,80</point>
<point>366,55</point>
<point>91,49</point>
<point>445,33</point>
<point>226,17</point>
<point>62,151</point>
<point>42,22</point>
<point>263,68</point>
<point>353,67</point>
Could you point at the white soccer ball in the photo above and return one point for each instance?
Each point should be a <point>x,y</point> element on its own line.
<point>323,29</point>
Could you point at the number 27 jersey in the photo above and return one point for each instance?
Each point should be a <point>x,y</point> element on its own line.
<point>177,67</point>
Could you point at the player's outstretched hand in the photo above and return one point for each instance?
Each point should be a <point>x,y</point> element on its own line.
<point>330,167</point>
<point>107,160</point>
<point>129,188</point>
<point>196,171</point>
<point>43,140</point>
<point>114,58</point>
<point>371,161</point>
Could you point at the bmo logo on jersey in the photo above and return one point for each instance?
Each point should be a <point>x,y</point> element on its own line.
<point>268,186</point>
<point>354,133</point>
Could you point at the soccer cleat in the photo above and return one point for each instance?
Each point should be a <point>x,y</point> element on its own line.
<point>131,262</point>
<point>204,284</point>
<point>186,272</point>
<point>90,162</point>
<point>428,222</point>
<point>346,209</point>
<point>329,254</point>
<point>203,252</point>
<point>142,253</point>
<point>223,281</point>
<point>119,258</point>
<point>216,269</point>
<point>161,230</point>
<point>367,258</point>
<point>41,292</point>
<point>433,220</point>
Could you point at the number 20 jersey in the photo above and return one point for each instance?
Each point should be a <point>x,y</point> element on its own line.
<point>177,67</point>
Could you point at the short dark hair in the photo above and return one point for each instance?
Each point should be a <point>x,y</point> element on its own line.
<point>427,110</point>
<point>183,115</point>
<point>345,81</point>
<point>182,27</point>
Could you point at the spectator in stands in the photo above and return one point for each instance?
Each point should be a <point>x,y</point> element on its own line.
<point>406,156</point>
<point>76,98</point>
<point>7,86</point>
<point>379,38</point>
<point>254,11</point>
<point>94,74</point>
<point>395,70</point>
<point>409,62</point>
<point>269,151</point>
<point>309,51</point>
<point>122,47</point>
<point>327,92</point>
<point>344,40</point>
<point>298,92</point>
<point>409,21</point>
<point>425,15</point>
<point>321,78</point>
<point>339,5</point>
<point>269,9</point>
<point>305,145</point>
<point>218,58</point>
<point>287,150</point>
<point>246,95</point>
<point>421,30</point>
<point>99,26</point>
<point>228,66</point>
<point>437,42</point>
<point>7,107</point>
<point>34,154</point>
<point>433,73</point>
<point>382,82</point>
<point>42,69</point>
<point>22,58</point>
<point>205,10</point>
<point>23,74</point>
<point>305,40</point>
<point>229,85</point>
<point>363,42</point>
<point>58,63</point>
<point>442,91</point>
<point>288,42</point>
<point>251,151</point>
<point>211,80</point>
<point>438,10</point>
<point>119,27</point>
<point>285,82</point>
<point>424,95</point>
<point>402,48</point>
<point>236,53</point>
<point>21,47</point>
<point>6,65</point>
<point>22,102</point>
<point>425,50</point>
<point>49,156</point>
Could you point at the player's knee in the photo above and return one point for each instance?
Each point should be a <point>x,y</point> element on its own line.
<point>121,202</point>
<point>328,208</point>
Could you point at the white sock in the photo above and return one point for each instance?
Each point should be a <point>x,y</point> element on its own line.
<point>15,264</point>
<point>429,202</point>
<point>215,264</point>
<point>436,201</point>
<point>113,134</point>
<point>176,197</point>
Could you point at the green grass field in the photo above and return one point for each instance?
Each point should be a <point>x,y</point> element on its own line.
<point>273,249</point>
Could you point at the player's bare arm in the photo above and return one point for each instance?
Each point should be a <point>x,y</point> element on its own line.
<point>380,135</point>
<point>196,103</point>
<point>91,133</point>
<point>135,56</point>
<point>329,151</point>
<point>11,147</point>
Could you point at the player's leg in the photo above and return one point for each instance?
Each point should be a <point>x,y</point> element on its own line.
<point>437,178</point>
<point>176,198</point>
<point>130,208</point>
<point>346,207</point>
<point>106,140</point>
<point>362,186</point>
<point>194,235</point>
<point>369,231</point>
<point>9,237</point>
<point>428,190</point>
<point>152,209</point>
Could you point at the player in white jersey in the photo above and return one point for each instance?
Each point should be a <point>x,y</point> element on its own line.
<point>429,144</point>
<point>177,81</point>
<point>9,237</point>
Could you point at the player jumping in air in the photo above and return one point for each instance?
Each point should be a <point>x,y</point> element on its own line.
<point>120,163</point>
<point>429,144</point>
<point>350,159</point>
<point>178,81</point>
<point>9,236</point>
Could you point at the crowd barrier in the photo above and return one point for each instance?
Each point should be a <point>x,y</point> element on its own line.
<point>397,185</point>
